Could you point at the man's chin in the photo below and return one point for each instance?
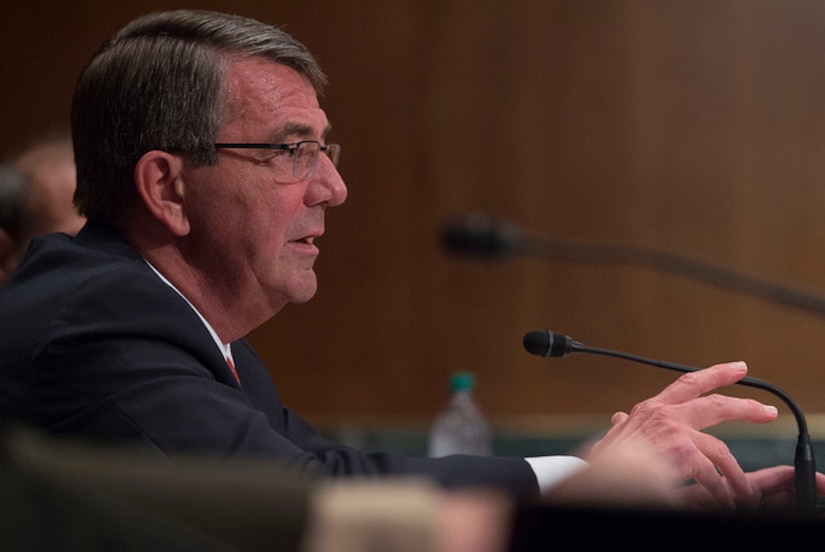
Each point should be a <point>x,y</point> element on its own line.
<point>304,290</point>
<point>301,299</point>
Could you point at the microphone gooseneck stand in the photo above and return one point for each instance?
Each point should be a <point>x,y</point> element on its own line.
<point>547,343</point>
<point>480,236</point>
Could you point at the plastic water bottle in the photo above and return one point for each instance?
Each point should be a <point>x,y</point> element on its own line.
<point>461,428</point>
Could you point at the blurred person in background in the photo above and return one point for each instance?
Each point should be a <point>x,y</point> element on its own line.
<point>36,190</point>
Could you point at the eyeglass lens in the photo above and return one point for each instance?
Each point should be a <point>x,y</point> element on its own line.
<point>307,157</point>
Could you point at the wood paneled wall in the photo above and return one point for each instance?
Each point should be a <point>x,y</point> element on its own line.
<point>694,126</point>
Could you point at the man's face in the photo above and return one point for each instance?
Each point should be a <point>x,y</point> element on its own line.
<point>253,236</point>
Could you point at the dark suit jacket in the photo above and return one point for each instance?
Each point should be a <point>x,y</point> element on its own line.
<point>93,343</point>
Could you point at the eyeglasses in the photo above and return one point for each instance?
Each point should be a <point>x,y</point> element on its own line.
<point>292,162</point>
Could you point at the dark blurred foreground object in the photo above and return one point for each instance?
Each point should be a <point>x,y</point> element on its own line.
<point>543,527</point>
<point>68,496</point>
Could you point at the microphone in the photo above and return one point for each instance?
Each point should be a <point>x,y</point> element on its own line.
<point>479,235</point>
<point>546,343</point>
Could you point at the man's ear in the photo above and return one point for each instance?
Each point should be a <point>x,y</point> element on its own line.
<point>159,182</point>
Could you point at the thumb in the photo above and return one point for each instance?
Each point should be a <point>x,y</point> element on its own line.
<point>618,418</point>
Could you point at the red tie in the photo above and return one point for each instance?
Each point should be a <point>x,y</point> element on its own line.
<point>232,367</point>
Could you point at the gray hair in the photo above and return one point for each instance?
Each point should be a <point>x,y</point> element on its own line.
<point>158,85</point>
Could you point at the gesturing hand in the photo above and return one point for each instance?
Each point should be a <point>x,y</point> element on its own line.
<point>671,424</point>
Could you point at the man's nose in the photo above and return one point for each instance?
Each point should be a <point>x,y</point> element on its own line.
<point>326,184</point>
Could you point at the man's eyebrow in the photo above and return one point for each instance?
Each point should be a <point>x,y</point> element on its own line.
<point>300,130</point>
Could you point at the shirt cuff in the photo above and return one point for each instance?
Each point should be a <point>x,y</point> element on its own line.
<point>552,470</point>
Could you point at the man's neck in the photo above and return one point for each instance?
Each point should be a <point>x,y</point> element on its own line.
<point>221,299</point>
<point>224,347</point>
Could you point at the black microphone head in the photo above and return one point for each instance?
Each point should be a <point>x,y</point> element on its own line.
<point>480,235</point>
<point>547,344</point>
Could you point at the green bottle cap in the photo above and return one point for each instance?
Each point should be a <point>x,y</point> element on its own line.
<point>462,381</point>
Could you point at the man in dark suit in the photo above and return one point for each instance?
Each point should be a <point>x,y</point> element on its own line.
<point>204,171</point>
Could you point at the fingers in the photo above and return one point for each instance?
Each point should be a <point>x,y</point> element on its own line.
<point>724,469</point>
<point>708,461</point>
<point>713,409</point>
<point>671,422</point>
<point>702,457</point>
<point>674,430</point>
<point>706,476</point>
<point>769,481</point>
<point>691,453</point>
<point>776,486</point>
<point>773,487</point>
<point>694,384</point>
